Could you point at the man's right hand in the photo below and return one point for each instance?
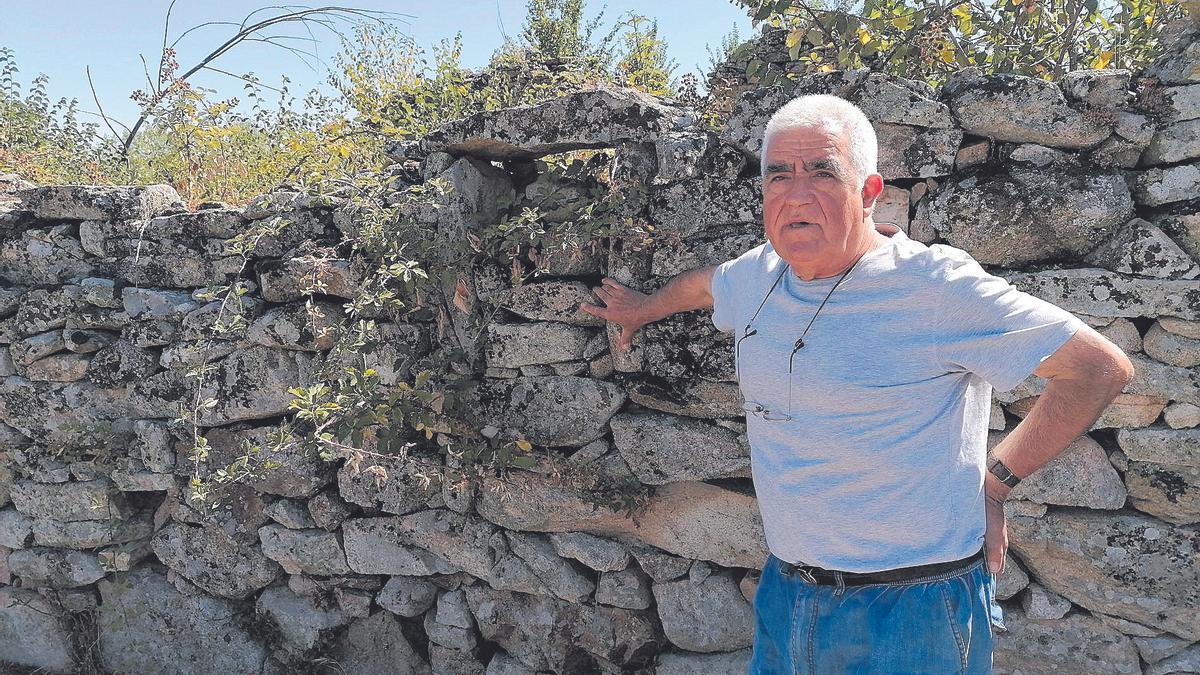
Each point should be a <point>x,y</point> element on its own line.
<point>623,306</point>
<point>632,310</point>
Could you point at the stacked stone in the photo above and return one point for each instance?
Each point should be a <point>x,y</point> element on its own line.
<point>1076,191</point>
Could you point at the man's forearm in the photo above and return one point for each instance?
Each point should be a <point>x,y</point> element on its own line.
<point>1067,408</point>
<point>687,291</point>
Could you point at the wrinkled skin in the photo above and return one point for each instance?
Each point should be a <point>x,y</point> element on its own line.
<point>816,208</point>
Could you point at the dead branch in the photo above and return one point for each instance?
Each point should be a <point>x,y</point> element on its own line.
<point>250,29</point>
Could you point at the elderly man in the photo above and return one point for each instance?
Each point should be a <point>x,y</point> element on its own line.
<point>866,361</point>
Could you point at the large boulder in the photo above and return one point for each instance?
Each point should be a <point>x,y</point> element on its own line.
<point>553,301</point>
<point>1096,292</point>
<point>546,633</point>
<point>55,567</point>
<point>1156,187</point>
<point>303,625</point>
<point>1141,248</point>
<point>690,207</point>
<point>1080,476</point>
<point>687,396</point>
<point>1126,565</point>
<point>33,633</point>
<point>887,100</point>
<point>708,615</point>
<point>1074,644</point>
<point>590,119</point>
<point>1028,215</point>
<point>146,625</point>
<point>214,561</point>
<point>546,410</point>
<point>1164,472</point>
<point>513,345</point>
<point>1020,109</point>
<point>690,519</point>
<point>667,449</point>
<point>96,202</point>
<point>253,383</point>
<point>376,645</point>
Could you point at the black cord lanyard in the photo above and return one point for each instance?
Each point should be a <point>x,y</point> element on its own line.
<point>800,340</point>
<point>747,331</point>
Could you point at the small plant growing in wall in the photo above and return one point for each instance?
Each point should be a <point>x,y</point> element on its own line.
<point>411,429</point>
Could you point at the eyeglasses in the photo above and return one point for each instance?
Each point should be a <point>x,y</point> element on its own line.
<point>751,407</point>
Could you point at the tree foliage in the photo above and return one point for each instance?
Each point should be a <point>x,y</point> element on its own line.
<point>556,30</point>
<point>383,86</point>
<point>929,39</point>
<point>45,142</point>
<point>644,63</point>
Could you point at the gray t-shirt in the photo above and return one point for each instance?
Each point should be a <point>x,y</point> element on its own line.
<point>882,462</point>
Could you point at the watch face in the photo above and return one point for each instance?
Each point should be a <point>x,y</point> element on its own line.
<point>1002,473</point>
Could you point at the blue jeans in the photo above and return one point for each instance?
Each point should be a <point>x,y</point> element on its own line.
<point>938,625</point>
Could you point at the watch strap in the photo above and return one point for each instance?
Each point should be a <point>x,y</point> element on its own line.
<point>1003,473</point>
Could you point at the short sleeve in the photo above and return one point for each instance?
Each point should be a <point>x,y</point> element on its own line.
<point>722,292</point>
<point>988,327</point>
<point>734,280</point>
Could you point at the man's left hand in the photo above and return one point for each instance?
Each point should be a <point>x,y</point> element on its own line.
<point>995,538</point>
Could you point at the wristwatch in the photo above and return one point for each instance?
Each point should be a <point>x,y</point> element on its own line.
<point>1003,473</point>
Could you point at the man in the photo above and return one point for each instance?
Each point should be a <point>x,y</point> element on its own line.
<point>867,361</point>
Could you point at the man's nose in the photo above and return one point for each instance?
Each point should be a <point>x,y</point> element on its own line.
<point>799,192</point>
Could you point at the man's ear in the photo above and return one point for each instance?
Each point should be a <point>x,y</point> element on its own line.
<point>872,188</point>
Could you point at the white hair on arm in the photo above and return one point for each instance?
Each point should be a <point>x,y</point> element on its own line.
<point>833,114</point>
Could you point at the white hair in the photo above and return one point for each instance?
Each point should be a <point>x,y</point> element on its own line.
<point>834,114</point>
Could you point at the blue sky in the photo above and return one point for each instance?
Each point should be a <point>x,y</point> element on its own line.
<point>61,37</point>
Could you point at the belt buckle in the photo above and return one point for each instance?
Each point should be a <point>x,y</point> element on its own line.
<point>803,572</point>
<point>806,575</point>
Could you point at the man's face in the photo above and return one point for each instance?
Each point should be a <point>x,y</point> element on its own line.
<point>813,207</point>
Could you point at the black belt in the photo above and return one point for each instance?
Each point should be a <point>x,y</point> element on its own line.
<point>819,575</point>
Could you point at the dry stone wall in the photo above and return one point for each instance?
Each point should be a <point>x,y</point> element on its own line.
<point>1083,192</point>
